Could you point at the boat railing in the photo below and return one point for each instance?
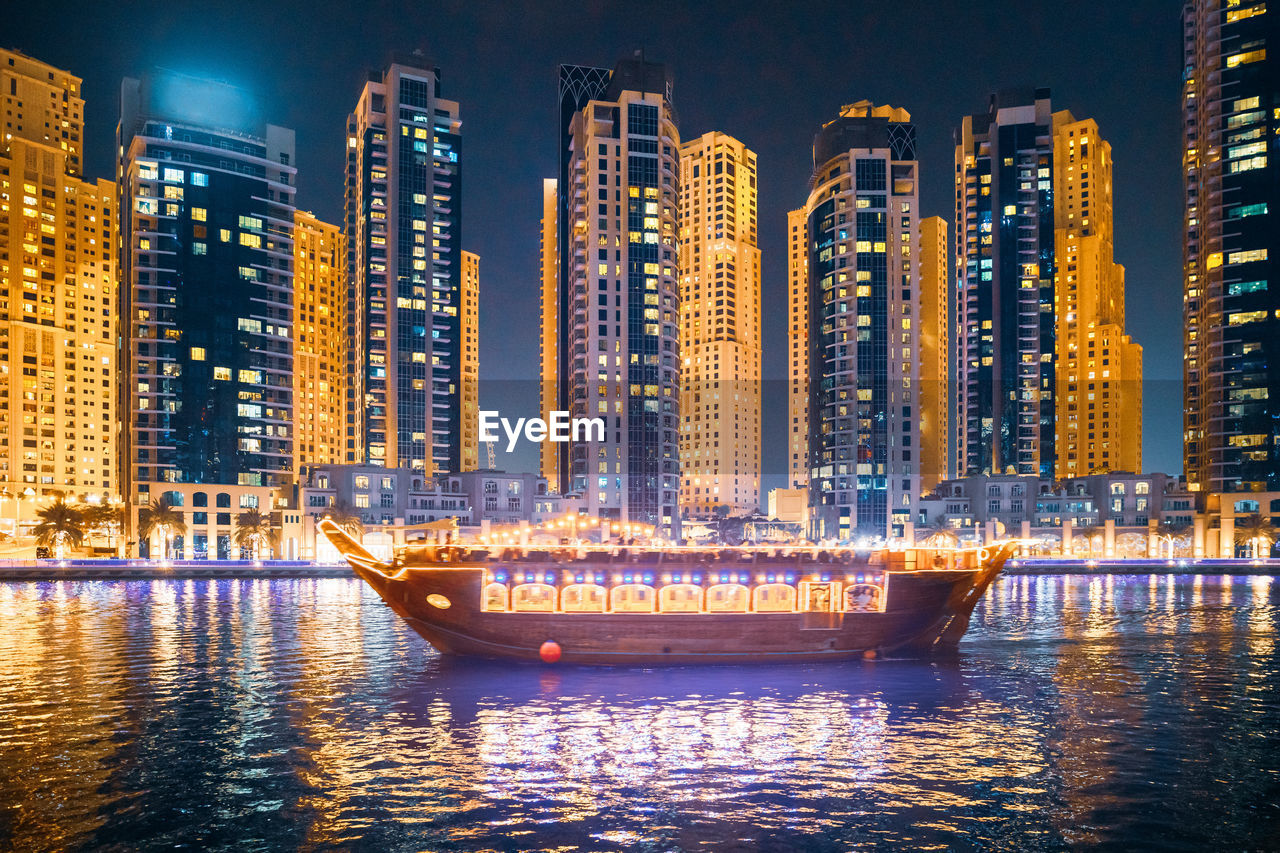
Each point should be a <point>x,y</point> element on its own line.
<point>916,559</point>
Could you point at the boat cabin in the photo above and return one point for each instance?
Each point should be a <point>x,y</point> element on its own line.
<point>516,589</point>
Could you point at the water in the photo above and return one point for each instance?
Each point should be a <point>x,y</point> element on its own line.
<point>1130,712</point>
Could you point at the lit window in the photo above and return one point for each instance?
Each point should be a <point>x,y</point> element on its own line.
<point>222,373</point>
<point>1246,57</point>
<point>197,353</point>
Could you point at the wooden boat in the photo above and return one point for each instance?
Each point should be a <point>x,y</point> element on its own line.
<point>637,606</point>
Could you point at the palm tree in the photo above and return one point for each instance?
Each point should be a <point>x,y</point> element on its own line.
<point>1174,531</point>
<point>60,523</point>
<point>937,537</point>
<point>1254,530</point>
<point>160,516</point>
<point>253,529</point>
<point>347,519</point>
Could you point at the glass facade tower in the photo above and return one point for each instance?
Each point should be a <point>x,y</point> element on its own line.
<point>861,232</point>
<point>403,225</point>
<point>207,218</point>
<point>1231,173</point>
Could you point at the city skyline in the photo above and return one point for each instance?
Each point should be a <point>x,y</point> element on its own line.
<point>708,93</point>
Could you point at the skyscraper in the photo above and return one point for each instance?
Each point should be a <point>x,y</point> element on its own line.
<point>863,328</point>
<point>1098,398</point>
<point>935,353</point>
<point>618,299</point>
<point>549,330</point>
<point>43,105</point>
<point>578,85</point>
<point>720,327</point>
<point>470,356</point>
<point>58,280</point>
<point>797,349</point>
<point>206,219</point>
<point>1005,263</point>
<point>1048,381</point>
<point>403,226</point>
<point>319,342</point>
<point>1231,106</point>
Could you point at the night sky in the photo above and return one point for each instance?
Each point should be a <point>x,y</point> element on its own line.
<point>769,76</point>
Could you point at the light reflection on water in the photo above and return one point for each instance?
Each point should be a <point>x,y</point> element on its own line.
<point>1082,710</point>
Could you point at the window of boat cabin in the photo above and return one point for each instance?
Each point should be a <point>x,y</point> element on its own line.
<point>681,598</point>
<point>727,598</point>
<point>774,598</point>
<point>495,597</point>
<point>583,598</point>
<point>633,598</point>
<point>864,598</point>
<point>818,597</point>
<point>533,597</point>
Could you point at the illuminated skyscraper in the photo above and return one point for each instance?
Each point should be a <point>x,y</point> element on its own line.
<point>42,104</point>
<point>470,355</point>
<point>798,349</point>
<point>1098,425</point>
<point>549,332</point>
<point>935,353</point>
<point>862,229</point>
<point>618,300</point>
<point>206,220</point>
<point>720,327</point>
<point>1231,309</point>
<point>1005,262</point>
<point>319,343</point>
<point>403,226</point>
<point>1048,382</point>
<point>58,279</point>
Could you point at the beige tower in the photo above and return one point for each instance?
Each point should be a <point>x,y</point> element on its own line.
<point>319,342</point>
<point>42,104</point>
<point>719,327</point>
<point>469,321</point>
<point>935,354</point>
<point>58,373</point>
<point>1099,376</point>
<point>797,349</point>
<point>548,345</point>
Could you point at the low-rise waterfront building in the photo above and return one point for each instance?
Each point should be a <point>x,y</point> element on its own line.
<point>1120,513</point>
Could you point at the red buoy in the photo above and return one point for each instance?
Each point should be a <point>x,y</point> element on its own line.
<point>550,651</point>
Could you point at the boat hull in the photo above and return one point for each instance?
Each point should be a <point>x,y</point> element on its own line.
<point>927,613</point>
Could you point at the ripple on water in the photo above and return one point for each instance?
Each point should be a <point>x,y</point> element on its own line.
<point>226,714</point>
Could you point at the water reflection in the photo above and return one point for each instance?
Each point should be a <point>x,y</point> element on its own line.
<point>224,714</point>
